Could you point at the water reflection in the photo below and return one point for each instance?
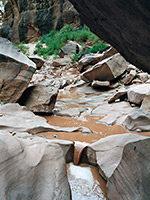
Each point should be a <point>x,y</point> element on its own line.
<point>84,183</point>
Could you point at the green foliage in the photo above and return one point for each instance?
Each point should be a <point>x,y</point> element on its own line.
<point>97,47</point>
<point>36,40</point>
<point>23,48</point>
<point>56,39</point>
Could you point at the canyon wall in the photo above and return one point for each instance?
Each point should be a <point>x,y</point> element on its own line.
<point>26,20</point>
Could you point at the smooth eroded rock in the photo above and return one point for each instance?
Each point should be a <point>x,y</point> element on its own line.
<point>107,152</point>
<point>138,119</point>
<point>131,178</point>
<point>32,169</point>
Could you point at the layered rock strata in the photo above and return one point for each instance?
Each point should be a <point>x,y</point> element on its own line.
<point>26,20</point>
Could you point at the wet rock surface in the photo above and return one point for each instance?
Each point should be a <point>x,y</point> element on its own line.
<point>16,72</point>
<point>118,23</point>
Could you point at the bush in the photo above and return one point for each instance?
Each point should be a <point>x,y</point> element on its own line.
<point>96,48</point>
<point>56,39</point>
<point>23,48</point>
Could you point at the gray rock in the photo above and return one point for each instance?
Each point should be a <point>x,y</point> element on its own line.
<point>16,72</point>
<point>106,70</point>
<point>71,47</point>
<point>136,93</point>
<point>107,152</point>
<point>40,97</point>
<point>131,178</point>
<point>138,119</point>
<point>32,169</point>
<point>112,113</point>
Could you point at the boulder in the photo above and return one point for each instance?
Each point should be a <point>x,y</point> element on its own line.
<point>37,60</point>
<point>138,120</point>
<point>107,152</point>
<point>28,20</point>
<point>40,97</point>
<point>15,118</point>
<point>32,169</point>
<point>106,70</point>
<point>130,179</point>
<point>118,22</point>
<point>92,59</point>
<point>16,72</point>
<point>71,47</point>
<point>136,93</point>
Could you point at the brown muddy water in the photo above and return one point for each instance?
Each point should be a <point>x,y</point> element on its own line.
<point>85,181</point>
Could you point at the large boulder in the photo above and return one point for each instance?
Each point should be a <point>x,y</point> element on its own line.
<point>124,24</point>
<point>40,97</point>
<point>107,152</point>
<point>16,72</point>
<point>32,169</point>
<point>131,178</point>
<point>107,69</point>
<point>27,20</point>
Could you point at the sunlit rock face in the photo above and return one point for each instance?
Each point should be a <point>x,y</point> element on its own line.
<point>124,24</point>
<point>26,20</point>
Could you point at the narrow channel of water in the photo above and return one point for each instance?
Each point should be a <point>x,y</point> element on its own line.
<point>85,183</point>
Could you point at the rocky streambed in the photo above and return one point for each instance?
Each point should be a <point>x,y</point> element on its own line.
<point>88,112</point>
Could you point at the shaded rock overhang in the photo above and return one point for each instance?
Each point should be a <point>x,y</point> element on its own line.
<point>123,24</point>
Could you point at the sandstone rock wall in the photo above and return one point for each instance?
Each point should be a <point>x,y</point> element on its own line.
<point>26,20</point>
<point>124,24</point>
